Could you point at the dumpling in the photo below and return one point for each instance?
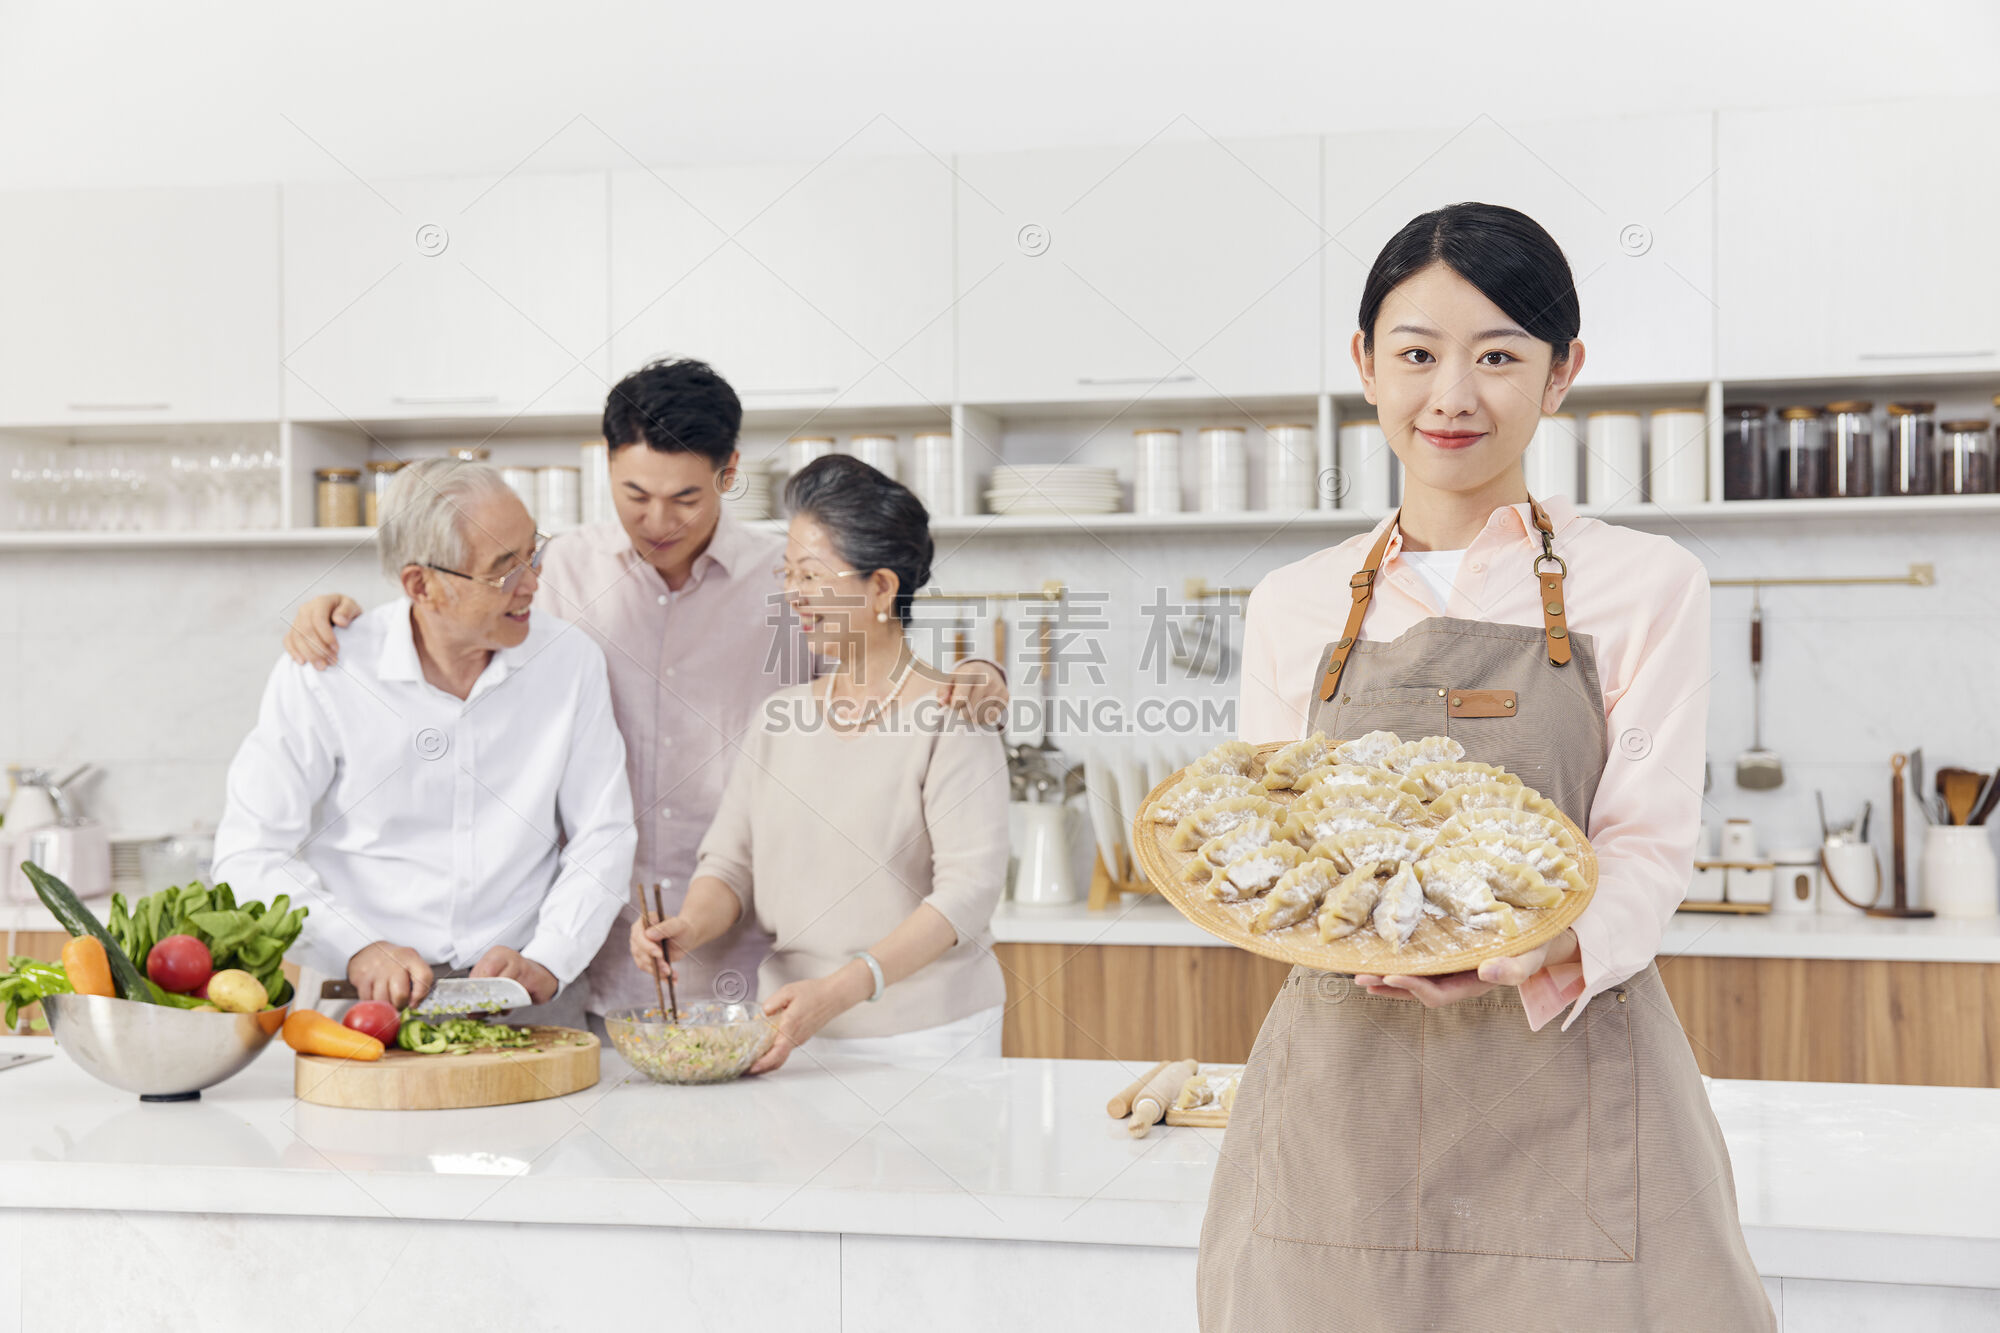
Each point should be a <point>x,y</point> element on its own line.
<point>1237,757</point>
<point>1471,825</point>
<point>1223,848</point>
<point>1288,763</point>
<point>1385,845</point>
<point>1349,903</point>
<point>1228,1097</point>
<point>1429,750</point>
<point>1397,806</point>
<point>1371,749</point>
<point>1211,1089</point>
<point>1254,870</point>
<point>1545,862</point>
<point>1465,895</point>
<point>1400,907</point>
<point>1440,778</point>
<point>1296,894</point>
<point>1493,796</point>
<point>1513,881</point>
<point>1336,774</point>
<point>1314,825</point>
<point>1220,817</point>
<point>1192,793</point>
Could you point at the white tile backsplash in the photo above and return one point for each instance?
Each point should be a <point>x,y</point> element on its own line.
<point>151,662</point>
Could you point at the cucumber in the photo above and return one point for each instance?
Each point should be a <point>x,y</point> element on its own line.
<point>78,920</point>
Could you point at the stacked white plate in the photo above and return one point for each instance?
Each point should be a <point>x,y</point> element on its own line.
<point>751,497</point>
<point>1055,488</point>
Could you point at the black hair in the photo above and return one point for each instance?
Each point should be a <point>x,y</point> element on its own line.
<point>875,522</point>
<point>1502,251</point>
<point>677,407</point>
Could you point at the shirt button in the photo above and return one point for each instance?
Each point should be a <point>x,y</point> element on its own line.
<point>670,671</point>
<point>663,599</point>
<point>666,813</point>
<point>1478,566</point>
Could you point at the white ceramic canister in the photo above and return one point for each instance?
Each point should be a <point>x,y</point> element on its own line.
<point>1553,457</point>
<point>521,481</point>
<point>1156,471</point>
<point>934,473</point>
<point>1677,467</point>
<point>594,471</point>
<point>1222,471</point>
<point>1612,471</point>
<point>1367,468</point>
<point>1291,468</point>
<point>877,451</point>
<point>1739,841</point>
<point>1958,870</point>
<point>558,498</point>
<point>1852,869</point>
<point>1797,891</point>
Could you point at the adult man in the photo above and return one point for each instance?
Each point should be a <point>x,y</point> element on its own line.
<point>688,605</point>
<point>454,795</point>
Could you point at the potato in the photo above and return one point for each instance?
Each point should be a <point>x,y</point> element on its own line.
<point>237,992</point>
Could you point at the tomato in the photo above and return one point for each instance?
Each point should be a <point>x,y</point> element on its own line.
<point>180,963</point>
<point>380,1021</point>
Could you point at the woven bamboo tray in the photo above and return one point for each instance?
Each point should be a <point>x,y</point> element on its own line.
<point>1439,945</point>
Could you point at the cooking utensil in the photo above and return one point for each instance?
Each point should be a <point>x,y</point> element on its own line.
<point>1917,788</point>
<point>1120,1106</point>
<point>1101,801</point>
<point>163,1054</point>
<point>1959,789</point>
<point>8,1062</point>
<point>1988,798</point>
<point>1900,905</point>
<point>1757,769</point>
<point>669,1005</point>
<point>1819,800</point>
<point>451,997</point>
<point>714,1042</point>
<point>1150,1106</point>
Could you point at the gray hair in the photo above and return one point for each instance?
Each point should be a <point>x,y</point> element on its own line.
<point>422,512</point>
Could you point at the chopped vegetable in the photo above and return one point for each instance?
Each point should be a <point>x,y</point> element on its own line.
<point>28,981</point>
<point>310,1032</point>
<point>457,1036</point>
<point>251,937</point>
<point>88,967</point>
<point>688,1052</point>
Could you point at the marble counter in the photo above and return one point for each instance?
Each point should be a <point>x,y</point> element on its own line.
<point>1849,935</point>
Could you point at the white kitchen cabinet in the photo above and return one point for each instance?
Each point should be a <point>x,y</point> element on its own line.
<point>1180,269</point>
<point>1629,200</point>
<point>143,306</point>
<point>463,297</point>
<point>1858,240</point>
<point>803,285</point>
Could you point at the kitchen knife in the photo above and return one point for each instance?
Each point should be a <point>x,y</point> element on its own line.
<point>451,997</point>
<point>8,1062</point>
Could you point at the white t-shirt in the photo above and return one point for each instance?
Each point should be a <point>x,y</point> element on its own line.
<point>1439,568</point>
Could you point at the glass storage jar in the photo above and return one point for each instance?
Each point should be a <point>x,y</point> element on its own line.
<point>1965,458</point>
<point>381,471</point>
<point>337,497</point>
<point>1850,448</point>
<point>1746,452</point>
<point>1801,454</point>
<point>1911,449</point>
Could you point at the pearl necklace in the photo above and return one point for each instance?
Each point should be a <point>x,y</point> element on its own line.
<point>875,707</point>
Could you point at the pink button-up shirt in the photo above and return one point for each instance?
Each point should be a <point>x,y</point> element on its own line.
<point>1644,601</point>
<point>688,670</point>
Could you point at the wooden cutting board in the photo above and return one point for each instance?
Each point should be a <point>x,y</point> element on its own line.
<point>404,1081</point>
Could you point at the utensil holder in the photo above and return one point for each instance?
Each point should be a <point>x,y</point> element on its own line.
<point>1960,876</point>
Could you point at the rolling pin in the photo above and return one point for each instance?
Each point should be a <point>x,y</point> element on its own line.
<point>1153,1100</point>
<point>1121,1106</point>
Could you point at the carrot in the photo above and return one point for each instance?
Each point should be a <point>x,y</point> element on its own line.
<point>89,968</point>
<point>310,1032</point>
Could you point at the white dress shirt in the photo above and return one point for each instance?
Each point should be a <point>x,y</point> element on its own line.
<point>399,812</point>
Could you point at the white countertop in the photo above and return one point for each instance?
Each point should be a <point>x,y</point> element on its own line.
<point>1858,1182</point>
<point>1151,920</point>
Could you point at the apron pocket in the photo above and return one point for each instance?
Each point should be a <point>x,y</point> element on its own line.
<point>1337,1160</point>
<point>1530,1139</point>
<point>1411,711</point>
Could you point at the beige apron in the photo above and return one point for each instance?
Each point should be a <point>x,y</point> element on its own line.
<point>1412,1170</point>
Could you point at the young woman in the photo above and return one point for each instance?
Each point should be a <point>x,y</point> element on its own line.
<point>1432,1153</point>
<point>864,825</point>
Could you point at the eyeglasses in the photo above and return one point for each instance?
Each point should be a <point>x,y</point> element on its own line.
<point>511,580</point>
<point>789,578</point>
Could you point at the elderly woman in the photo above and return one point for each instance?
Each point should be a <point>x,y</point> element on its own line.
<point>864,825</point>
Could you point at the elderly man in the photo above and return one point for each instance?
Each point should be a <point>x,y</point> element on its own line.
<point>454,794</point>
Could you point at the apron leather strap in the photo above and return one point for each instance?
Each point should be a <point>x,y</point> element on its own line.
<point>1362,586</point>
<point>1551,591</point>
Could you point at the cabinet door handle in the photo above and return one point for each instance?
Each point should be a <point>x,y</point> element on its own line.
<point>442,400</point>
<point>119,407</point>
<point>1922,356</point>
<point>1135,379</point>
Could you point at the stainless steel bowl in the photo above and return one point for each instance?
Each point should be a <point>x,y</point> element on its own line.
<point>160,1053</point>
<point>713,1043</point>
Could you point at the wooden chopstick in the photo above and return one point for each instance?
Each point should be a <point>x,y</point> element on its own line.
<point>673,1001</point>
<point>648,920</point>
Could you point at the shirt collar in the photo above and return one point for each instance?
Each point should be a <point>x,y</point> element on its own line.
<point>727,549</point>
<point>1515,521</point>
<point>398,659</point>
